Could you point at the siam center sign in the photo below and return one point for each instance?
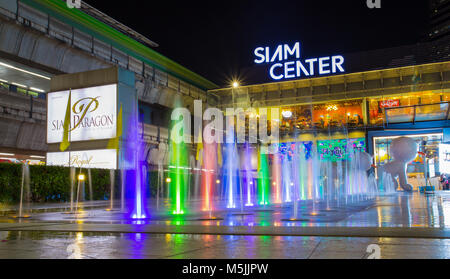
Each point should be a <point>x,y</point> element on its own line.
<point>286,63</point>
<point>93,113</point>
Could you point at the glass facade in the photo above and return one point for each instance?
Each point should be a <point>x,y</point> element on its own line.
<point>426,163</point>
<point>417,106</point>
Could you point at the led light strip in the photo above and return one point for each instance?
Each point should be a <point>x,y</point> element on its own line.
<point>24,71</point>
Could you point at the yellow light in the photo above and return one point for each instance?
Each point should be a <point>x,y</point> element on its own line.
<point>217,181</point>
<point>168,180</point>
<point>332,107</point>
<point>81,177</point>
<point>235,84</point>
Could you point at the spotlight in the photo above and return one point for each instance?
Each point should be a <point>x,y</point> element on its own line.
<point>81,177</point>
<point>235,84</point>
<point>286,113</point>
<point>217,181</point>
<point>168,180</point>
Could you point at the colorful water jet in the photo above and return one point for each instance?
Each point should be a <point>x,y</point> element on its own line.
<point>178,168</point>
<point>263,176</point>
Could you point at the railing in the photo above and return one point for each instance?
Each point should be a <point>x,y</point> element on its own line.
<point>106,52</point>
<point>417,113</point>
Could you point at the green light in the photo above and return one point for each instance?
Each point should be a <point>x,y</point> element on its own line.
<point>178,174</point>
<point>263,181</point>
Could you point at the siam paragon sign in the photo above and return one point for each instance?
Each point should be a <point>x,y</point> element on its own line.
<point>286,63</point>
<point>93,113</point>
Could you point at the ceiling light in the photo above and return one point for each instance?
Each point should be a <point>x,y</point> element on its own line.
<point>37,89</point>
<point>24,71</point>
<point>20,85</point>
<point>36,156</point>
<point>6,154</point>
<point>286,113</point>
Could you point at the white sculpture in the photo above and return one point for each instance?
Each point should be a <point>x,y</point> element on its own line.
<point>403,150</point>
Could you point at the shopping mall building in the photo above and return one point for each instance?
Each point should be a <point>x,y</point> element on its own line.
<point>364,110</point>
<point>363,99</point>
<point>43,42</point>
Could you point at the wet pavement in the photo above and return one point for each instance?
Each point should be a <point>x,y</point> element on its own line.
<point>402,225</point>
<point>81,245</point>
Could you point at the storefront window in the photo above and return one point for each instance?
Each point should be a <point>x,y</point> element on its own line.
<point>295,117</point>
<point>426,163</point>
<point>338,114</point>
<point>378,105</point>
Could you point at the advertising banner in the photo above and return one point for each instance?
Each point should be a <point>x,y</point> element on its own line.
<point>98,159</point>
<point>93,113</point>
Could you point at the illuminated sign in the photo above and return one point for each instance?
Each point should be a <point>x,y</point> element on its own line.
<point>286,62</point>
<point>99,159</point>
<point>337,149</point>
<point>389,103</point>
<point>93,114</point>
<point>444,158</point>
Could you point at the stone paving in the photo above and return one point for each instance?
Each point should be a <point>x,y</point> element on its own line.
<point>61,245</point>
<point>403,226</point>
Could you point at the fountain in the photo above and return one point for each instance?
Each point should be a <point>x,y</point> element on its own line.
<point>24,191</point>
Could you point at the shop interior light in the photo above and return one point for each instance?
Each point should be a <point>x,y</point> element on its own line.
<point>23,71</point>
<point>332,107</point>
<point>38,157</point>
<point>2,80</point>
<point>286,113</point>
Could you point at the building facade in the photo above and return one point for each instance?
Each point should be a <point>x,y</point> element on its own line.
<point>40,39</point>
<point>365,110</point>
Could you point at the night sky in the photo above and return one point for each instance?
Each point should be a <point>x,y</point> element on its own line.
<point>216,39</point>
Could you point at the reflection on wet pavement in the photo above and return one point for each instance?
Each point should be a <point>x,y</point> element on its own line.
<point>399,210</point>
<point>80,245</point>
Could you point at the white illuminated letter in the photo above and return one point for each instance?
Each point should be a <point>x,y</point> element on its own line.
<point>311,65</point>
<point>260,55</point>
<point>279,53</point>
<point>271,71</point>
<point>288,69</point>
<point>301,68</point>
<point>322,65</point>
<point>267,55</point>
<point>291,51</point>
<point>337,61</point>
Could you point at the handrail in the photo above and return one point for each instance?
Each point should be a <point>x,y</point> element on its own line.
<point>415,111</point>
